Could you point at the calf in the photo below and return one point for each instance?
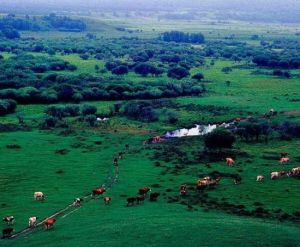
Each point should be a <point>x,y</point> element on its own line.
<point>144,191</point>
<point>9,220</point>
<point>106,200</point>
<point>260,178</point>
<point>230,161</point>
<point>130,201</point>
<point>32,221</point>
<point>7,233</point>
<point>49,223</point>
<point>275,175</point>
<point>39,196</point>
<point>154,196</point>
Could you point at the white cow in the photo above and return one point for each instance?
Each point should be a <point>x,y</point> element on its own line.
<point>32,221</point>
<point>39,196</point>
<point>260,178</point>
<point>277,174</point>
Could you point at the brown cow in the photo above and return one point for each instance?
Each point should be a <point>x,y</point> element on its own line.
<point>130,201</point>
<point>154,196</point>
<point>140,199</point>
<point>144,191</point>
<point>98,191</point>
<point>284,160</point>
<point>230,161</point>
<point>49,223</point>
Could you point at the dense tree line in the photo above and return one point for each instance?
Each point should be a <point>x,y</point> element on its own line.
<point>177,36</point>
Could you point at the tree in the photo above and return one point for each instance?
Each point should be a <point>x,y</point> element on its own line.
<point>198,77</point>
<point>7,106</point>
<point>120,70</point>
<point>88,110</point>
<point>11,33</point>
<point>90,119</point>
<point>218,139</point>
<point>178,73</point>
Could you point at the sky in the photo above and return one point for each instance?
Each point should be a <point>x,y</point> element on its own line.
<point>268,9</point>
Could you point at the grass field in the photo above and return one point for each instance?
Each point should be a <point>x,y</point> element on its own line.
<point>69,165</point>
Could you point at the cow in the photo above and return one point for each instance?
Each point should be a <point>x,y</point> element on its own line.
<point>294,172</point>
<point>154,196</point>
<point>49,223</point>
<point>140,199</point>
<point>275,175</point>
<point>9,220</point>
<point>230,161</point>
<point>130,201</point>
<point>106,200</point>
<point>284,160</point>
<point>144,191</point>
<point>77,202</point>
<point>32,221</point>
<point>98,191</point>
<point>127,146</point>
<point>260,178</point>
<point>39,196</point>
<point>7,233</point>
<point>284,155</point>
<point>237,179</point>
<point>183,190</point>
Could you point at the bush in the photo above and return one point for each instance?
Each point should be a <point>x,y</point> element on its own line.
<point>218,139</point>
<point>88,110</point>
<point>142,111</point>
<point>7,106</point>
<point>178,73</point>
<point>90,119</point>
<point>198,77</point>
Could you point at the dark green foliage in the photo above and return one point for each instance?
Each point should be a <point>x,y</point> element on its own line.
<point>120,70</point>
<point>88,110</point>
<point>198,77</point>
<point>90,119</point>
<point>10,33</point>
<point>64,23</point>
<point>178,73</point>
<point>218,139</point>
<point>142,111</point>
<point>178,36</point>
<point>289,130</point>
<point>7,106</point>
<point>145,69</point>
<point>281,73</point>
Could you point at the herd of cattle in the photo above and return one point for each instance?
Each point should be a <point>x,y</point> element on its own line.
<point>202,184</point>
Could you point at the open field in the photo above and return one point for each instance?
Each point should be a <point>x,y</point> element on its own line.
<point>68,162</point>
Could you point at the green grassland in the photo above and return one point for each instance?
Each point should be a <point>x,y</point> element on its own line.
<point>65,166</point>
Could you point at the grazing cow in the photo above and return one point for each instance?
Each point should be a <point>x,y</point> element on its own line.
<point>140,199</point>
<point>9,220</point>
<point>144,191</point>
<point>106,200</point>
<point>127,146</point>
<point>98,191</point>
<point>230,161</point>
<point>120,155</point>
<point>284,160</point>
<point>49,223</point>
<point>206,182</point>
<point>294,172</point>
<point>130,201</point>
<point>77,202</point>
<point>32,221</point>
<point>183,189</point>
<point>39,196</point>
<point>275,175</point>
<point>260,178</point>
<point>154,196</point>
<point>6,233</point>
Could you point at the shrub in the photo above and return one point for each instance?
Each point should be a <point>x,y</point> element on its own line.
<point>7,106</point>
<point>88,110</point>
<point>218,139</point>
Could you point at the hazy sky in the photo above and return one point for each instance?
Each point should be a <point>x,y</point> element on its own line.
<point>280,10</point>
